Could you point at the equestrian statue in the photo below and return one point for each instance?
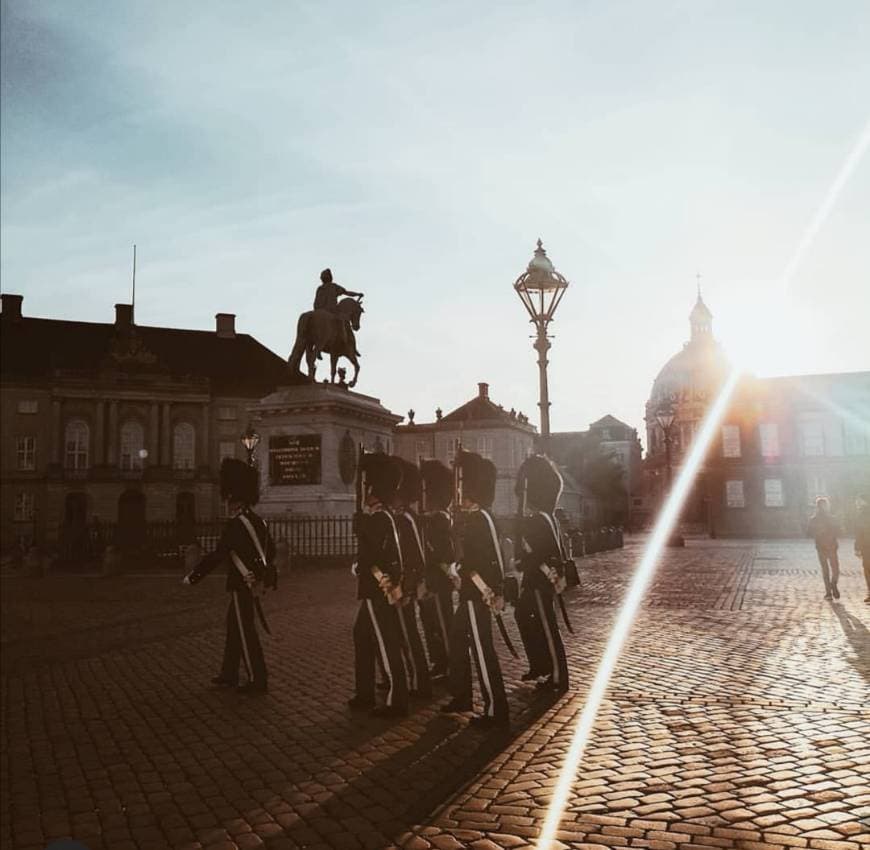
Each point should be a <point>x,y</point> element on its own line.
<point>328,329</point>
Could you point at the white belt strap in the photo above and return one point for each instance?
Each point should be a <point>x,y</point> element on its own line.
<point>410,519</point>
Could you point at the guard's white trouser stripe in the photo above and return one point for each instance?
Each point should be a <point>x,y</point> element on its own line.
<point>244,640</point>
<point>384,657</point>
<point>484,670</point>
<point>408,654</point>
<point>442,621</point>
<point>551,645</point>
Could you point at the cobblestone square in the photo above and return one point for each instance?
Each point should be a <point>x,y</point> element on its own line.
<point>738,717</point>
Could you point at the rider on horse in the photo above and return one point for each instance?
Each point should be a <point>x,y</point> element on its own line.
<point>327,295</point>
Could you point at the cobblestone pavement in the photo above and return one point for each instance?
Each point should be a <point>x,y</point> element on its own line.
<point>738,717</point>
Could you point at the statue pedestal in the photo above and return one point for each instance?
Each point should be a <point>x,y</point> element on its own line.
<point>309,442</point>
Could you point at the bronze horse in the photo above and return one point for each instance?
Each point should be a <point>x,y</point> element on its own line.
<point>319,331</point>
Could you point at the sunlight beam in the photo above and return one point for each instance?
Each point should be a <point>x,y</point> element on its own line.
<point>661,531</point>
<point>851,162</point>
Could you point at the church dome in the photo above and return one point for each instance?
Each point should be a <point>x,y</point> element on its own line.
<point>695,372</point>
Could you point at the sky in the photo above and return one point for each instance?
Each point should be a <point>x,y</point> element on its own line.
<point>419,150</point>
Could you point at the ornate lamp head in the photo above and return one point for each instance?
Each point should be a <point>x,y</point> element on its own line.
<point>540,287</point>
<point>250,440</point>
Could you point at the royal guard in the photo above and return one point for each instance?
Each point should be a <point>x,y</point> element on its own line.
<point>437,608</point>
<point>413,562</point>
<point>481,577</point>
<point>247,549</point>
<point>376,631</point>
<point>542,562</point>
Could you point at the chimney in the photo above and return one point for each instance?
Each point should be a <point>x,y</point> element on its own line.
<point>11,305</point>
<point>123,315</point>
<point>225,325</point>
<point>483,390</point>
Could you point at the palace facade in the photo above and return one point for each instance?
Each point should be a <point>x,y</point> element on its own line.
<point>118,422</point>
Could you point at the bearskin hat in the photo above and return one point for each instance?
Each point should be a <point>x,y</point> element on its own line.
<point>478,478</point>
<point>239,482</point>
<point>542,482</point>
<point>409,487</point>
<point>438,482</point>
<point>382,475</point>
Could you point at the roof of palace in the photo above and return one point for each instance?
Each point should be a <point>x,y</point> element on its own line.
<point>36,349</point>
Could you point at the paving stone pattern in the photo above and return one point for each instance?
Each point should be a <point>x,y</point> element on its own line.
<point>738,717</point>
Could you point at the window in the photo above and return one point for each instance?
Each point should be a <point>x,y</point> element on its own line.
<point>183,446</point>
<point>773,493</point>
<point>132,445</point>
<point>452,445</point>
<point>734,497</point>
<point>227,413</point>
<point>226,448</point>
<point>422,451</point>
<point>24,507</point>
<point>812,438</point>
<point>816,486</point>
<point>730,441</point>
<point>605,433</point>
<point>857,437</point>
<point>76,443</point>
<point>769,434</point>
<point>26,451</point>
<point>484,447</point>
<point>28,406</point>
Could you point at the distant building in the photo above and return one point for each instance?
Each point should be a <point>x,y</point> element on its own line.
<point>504,437</point>
<point>782,442</point>
<point>119,422</point>
<point>608,437</point>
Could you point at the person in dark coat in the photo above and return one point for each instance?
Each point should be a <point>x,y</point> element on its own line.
<point>413,561</point>
<point>862,537</point>
<point>541,562</point>
<point>376,631</point>
<point>437,608</point>
<point>247,549</point>
<point>481,575</point>
<point>823,529</point>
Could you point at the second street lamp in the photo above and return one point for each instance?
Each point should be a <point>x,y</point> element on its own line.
<point>665,417</point>
<point>541,288</point>
<point>250,440</point>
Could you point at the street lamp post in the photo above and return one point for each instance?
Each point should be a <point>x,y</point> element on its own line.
<point>665,419</point>
<point>541,288</point>
<point>250,440</point>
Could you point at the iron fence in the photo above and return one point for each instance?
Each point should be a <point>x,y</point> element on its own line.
<point>305,539</point>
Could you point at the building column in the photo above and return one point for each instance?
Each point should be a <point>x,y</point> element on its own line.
<point>112,436</point>
<point>164,436</point>
<point>154,435</point>
<point>56,436</point>
<point>204,453</point>
<point>100,434</point>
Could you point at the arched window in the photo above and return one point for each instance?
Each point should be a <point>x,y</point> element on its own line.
<point>132,445</point>
<point>183,446</point>
<point>76,441</point>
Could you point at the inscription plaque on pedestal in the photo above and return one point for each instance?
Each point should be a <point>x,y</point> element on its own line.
<point>294,459</point>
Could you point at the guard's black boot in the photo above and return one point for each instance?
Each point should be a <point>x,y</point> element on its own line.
<point>454,706</point>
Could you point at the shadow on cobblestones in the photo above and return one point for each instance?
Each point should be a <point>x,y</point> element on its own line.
<point>858,636</point>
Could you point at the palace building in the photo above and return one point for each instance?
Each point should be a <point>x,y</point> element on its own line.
<point>782,442</point>
<point>119,422</point>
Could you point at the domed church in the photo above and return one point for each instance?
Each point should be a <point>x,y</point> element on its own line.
<point>782,442</point>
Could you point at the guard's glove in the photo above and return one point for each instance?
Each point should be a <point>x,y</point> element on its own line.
<point>354,568</point>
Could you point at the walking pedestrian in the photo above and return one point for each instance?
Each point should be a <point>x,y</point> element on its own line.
<point>862,537</point>
<point>823,529</point>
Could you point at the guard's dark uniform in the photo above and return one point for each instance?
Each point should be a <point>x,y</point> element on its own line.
<point>376,630</point>
<point>472,623</point>
<point>413,566</point>
<point>242,642</point>
<point>437,608</point>
<point>545,647</point>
